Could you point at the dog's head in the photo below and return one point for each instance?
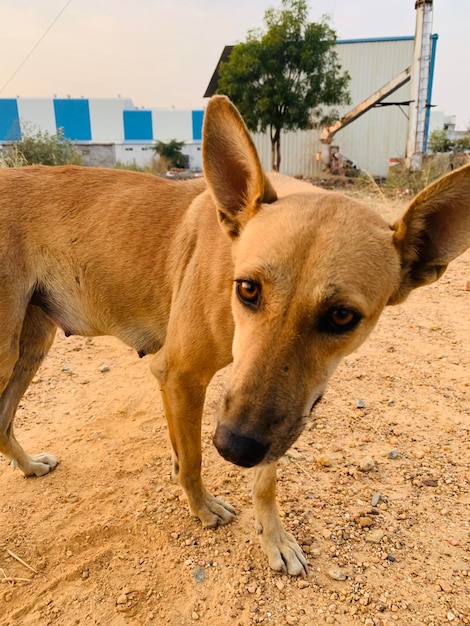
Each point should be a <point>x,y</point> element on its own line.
<point>313,272</point>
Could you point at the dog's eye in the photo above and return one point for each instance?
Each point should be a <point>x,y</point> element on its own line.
<point>248,292</point>
<point>340,320</point>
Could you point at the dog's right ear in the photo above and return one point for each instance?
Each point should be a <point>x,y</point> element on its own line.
<point>232,167</point>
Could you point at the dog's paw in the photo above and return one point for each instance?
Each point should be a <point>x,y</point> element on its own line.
<point>39,465</point>
<point>283,552</point>
<point>214,512</point>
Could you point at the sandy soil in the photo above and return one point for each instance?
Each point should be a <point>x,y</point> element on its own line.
<point>376,490</point>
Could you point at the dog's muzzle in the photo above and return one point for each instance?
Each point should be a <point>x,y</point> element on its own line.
<point>239,449</point>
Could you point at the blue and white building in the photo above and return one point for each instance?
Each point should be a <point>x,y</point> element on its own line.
<point>107,130</point>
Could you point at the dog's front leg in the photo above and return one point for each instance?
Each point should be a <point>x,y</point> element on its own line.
<point>283,552</point>
<point>183,398</point>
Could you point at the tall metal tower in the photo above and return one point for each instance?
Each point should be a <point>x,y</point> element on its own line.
<point>420,76</point>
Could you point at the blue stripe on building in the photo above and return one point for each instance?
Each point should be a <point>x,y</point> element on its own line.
<point>197,119</point>
<point>138,125</point>
<point>9,120</point>
<point>73,117</point>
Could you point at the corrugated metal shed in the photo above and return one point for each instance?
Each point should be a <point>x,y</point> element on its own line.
<point>374,138</point>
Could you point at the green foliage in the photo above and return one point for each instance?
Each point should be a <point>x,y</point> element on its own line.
<point>282,76</point>
<point>462,144</point>
<point>41,148</point>
<point>439,141</point>
<point>171,152</point>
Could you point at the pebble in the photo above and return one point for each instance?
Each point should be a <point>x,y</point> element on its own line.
<point>444,586</point>
<point>393,454</point>
<point>199,575</point>
<point>360,404</point>
<point>367,464</point>
<point>324,461</point>
<point>104,368</point>
<point>337,573</point>
<point>303,584</point>
<point>376,498</point>
<point>375,536</point>
<point>364,521</point>
<point>121,599</point>
<point>452,541</point>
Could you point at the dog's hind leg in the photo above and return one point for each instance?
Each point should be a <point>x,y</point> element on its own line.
<point>183,398</point>
<point>36,337</point>
<point>283,552</point>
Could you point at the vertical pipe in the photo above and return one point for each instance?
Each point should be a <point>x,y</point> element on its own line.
<point>430,84</point>
<point>419,83</point>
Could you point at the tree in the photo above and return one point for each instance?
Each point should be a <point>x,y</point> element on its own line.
<point>41,148</point>
<point>280,77</point>
<point>439,141</point>
<point>171,152</point>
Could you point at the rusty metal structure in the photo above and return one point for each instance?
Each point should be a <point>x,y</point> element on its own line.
<point>420,74</point>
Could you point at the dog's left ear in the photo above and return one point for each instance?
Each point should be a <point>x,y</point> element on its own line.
<point>232,166</point>
<point>434,230</point>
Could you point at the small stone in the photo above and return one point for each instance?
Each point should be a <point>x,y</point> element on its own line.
<point>69,553</point>
<point>121,599</point>
<point>452,541</point>
<point>365,521</point>
<point>337,573</point>
<point>375,536</point>
<point>376,498</point>
<point>430,482</point>
<point>444,585</point>
<point>393,454</point>
<point>360,404</point>
<point>104,368</point>
<point>252,588</point>
<point>199,575</point>
<point>324,461</point>
<point>367,464</point>
<point>280,585</point>
<point>195,615</point>
<point>461,566</point>
<point>450,616</point>
<point>391,558</point>
<point>303,584</point>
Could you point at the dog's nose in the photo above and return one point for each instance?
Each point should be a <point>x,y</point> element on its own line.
<point>238,449</point>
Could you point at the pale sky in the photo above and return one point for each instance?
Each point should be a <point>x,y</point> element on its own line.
<point>162,53</point>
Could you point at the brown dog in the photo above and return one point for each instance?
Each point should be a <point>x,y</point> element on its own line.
<point>283,278</point>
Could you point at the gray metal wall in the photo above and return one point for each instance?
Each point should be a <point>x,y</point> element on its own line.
<point>374,138</point>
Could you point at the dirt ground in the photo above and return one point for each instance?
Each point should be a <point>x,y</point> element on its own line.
<point>376,490</point>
